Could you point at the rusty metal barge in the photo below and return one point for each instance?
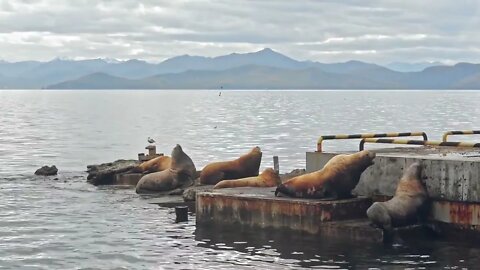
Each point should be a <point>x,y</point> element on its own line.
<point>451,173</point>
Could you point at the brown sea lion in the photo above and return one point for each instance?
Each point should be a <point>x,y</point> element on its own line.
<point>181,173</point>
<point>336,180</point>
<point>268,178</point>
<point>157,164</point>
<point>404,208</point>
<point>244,166</point>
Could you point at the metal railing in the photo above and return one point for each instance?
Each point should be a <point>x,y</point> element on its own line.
<point>459,132</point>
<point>367,135</point>
<point>417,142</point>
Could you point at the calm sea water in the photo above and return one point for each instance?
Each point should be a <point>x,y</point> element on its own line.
<point>69,224</point>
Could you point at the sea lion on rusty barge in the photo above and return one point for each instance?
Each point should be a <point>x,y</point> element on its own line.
<point>336,180</point>
<point>268,178</point>
<point>247,165</point>
<point>406,207</point>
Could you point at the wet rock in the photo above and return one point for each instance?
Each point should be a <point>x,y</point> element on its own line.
<point>297,172</point>
<point>47,171</point>
<point>178,191</point>
<point>104,174</point>
<point>189,195</point>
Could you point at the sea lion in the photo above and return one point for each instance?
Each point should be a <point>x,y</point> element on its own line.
<point>244,166</point>
<point>268,178</point>
<point>181,173</point>
<point>404,208</point>
<point>336,180</point>
<point>157,164</point>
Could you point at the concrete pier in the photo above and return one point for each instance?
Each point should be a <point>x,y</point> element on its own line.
<point>449,173</point>
<point>451,176</point>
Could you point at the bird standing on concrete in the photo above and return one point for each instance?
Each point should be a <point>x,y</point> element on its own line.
<point>150,140</point>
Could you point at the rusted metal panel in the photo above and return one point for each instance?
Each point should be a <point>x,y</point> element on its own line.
<point>456,212</point>
<point>263,211</point>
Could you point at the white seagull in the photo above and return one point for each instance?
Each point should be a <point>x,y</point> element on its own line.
<point>150,140</point>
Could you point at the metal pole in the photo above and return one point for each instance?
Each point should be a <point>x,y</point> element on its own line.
<point>276,165</point>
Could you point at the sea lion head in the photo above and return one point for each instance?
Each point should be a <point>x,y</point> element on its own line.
<point>411,182</point>
<point>181,162</point>
<point>272,175</point>
<point>414,171</point>
<point>256,149</point>
<point>177,149</point>
<point>367,157</point>
<point>251,160</point>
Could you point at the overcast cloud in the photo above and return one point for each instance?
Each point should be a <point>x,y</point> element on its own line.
<point>326,31</point>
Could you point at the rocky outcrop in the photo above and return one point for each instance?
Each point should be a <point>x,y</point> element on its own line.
<point>189,195</point>
<point>47,171</point>
<point>104,174</point>
<point>297,172</point>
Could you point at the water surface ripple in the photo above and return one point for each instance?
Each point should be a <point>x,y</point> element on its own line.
<point>69,224</point>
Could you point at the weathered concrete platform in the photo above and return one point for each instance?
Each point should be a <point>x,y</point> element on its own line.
<point>451,176</point>
<point>258,207</point>
<point>172,201</point>
<point>449,173</point>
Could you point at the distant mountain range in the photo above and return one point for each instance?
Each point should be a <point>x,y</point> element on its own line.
<point>265,69</point>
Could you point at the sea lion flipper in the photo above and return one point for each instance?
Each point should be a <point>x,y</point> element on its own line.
<point>284,189</point>
<point>379,216</point>
<point>218,176</point>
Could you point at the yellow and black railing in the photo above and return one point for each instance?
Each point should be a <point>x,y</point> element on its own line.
<point>367,135</point>
<point>417,142</point>
<point>459,132</point>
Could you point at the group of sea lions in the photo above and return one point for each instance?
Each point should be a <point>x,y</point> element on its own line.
<point>341,175</point>
<point>335,180</point>
<point>167,173</point>
<point>174,172</point>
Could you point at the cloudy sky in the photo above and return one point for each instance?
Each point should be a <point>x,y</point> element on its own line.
<point>327,31</point>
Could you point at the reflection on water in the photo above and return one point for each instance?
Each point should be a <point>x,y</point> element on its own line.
<point>286,249</point>
<point>66,223</point>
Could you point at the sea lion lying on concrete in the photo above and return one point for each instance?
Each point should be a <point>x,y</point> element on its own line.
<point>181,173</point>
<point>157,164</point>
<point>404,207</point>
<point>244,166</point>
<point>268,178</point>
<point>336,180</point>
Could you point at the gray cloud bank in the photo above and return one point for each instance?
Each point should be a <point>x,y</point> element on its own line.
<point>327,31</point>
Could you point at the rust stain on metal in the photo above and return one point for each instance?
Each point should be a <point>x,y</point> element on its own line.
<point>457,212</point>
<point>306,215</point>
<point>461,213</point>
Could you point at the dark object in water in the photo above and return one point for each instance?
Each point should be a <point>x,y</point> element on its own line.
<point>182,213</point>
<point>47,171</point>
